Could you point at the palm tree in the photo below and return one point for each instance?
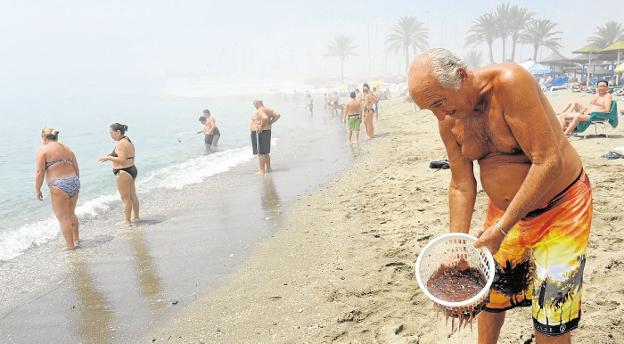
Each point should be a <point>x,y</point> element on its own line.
<point>341,47</point>
<point>473,58</point>
<point>483,30</point>
<point>407,33</point>
<point>503,15</point>
<point>539,33</point>
<point>607,34</point>
<point>517,22</point>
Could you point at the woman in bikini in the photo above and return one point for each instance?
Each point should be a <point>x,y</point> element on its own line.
<point>122,158</point>
<point>57,163</point>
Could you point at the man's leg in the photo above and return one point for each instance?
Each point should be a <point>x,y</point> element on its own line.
<point>261,163</point>
<point>489,325</point>
<point>542,339</point>
<point>349,134</point>
<point>575,121</point>
<point>268,163</point>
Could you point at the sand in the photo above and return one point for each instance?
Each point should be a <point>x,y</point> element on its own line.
<point>340,270</point>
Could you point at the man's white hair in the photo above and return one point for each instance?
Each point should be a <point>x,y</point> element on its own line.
<point>444,65</point>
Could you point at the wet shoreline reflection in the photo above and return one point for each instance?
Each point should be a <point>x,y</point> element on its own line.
<point>96,315</point>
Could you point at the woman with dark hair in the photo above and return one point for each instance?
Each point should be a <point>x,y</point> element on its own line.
<point>122,158</point>
<point>57,163</point>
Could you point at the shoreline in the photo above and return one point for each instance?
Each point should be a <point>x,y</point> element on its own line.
<point>340,268</point>
<point>123,281</point>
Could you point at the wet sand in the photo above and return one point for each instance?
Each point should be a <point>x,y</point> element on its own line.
<point>340,269</point>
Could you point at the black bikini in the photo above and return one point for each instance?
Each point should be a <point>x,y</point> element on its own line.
<point>132,170</point>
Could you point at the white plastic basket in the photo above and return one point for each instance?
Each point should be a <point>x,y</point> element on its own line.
<point>448,249</point>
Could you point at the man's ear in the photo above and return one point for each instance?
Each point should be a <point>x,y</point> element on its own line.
<point>461,73</point>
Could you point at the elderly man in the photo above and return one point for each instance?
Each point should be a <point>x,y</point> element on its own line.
<point>539,215</point>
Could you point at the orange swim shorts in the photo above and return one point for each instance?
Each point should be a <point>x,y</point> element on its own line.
<point>541,261</point>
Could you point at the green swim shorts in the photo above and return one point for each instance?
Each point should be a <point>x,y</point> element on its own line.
<point>353,122</point>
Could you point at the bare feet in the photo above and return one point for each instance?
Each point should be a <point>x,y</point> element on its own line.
<point>260,173</point>
<point>269,170</point>
<point>123,223</point>
<point>136,220</point>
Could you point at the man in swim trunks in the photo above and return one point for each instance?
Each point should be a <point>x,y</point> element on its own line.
<point>377,95</point>
<point>575,112</point>
<point>210,130</point>
<point>540,205</point>
<point>352,116</point>
<point>261,124</point>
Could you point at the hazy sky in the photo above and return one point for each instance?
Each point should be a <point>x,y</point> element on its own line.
<point>91,47</point>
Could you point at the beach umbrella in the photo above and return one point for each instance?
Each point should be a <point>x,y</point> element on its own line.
<point>539,69</point>
<point>377,83</point>
<point>591,48</point>
<point>527,64</point>
<point>619,47</point>
<point>620,68</point>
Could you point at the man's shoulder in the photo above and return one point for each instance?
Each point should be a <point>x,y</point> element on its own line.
<point>510,79</point>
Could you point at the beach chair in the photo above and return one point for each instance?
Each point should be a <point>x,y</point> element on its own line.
<point>599,119</point>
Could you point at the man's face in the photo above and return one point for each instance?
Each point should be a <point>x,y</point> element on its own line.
<point>602,88</point>
<point>442,101</point>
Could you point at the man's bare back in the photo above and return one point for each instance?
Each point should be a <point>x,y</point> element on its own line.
<point>353,107</point>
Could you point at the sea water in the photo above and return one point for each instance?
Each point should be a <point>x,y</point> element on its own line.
<point>169,152</point>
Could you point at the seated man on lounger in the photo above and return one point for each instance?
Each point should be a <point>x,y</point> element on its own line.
<point>575,113</point>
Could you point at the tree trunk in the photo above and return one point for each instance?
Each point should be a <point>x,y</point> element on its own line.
<point>342,70</point>
<point>513,50</point>
<point>535,49</point>
<point>491,53</point>
<point>406,58</point>
<point>504,41</point>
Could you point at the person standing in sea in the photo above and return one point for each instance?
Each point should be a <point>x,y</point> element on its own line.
<point>310,105</point>
<point>125,171</point>
<point>57,163</point>
<point>540,200</point>
<point>260,126</point>
<point>210,131</point>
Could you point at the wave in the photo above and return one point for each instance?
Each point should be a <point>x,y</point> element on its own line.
<point>13,243</point>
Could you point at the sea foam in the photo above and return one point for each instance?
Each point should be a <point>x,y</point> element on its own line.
<point>15,242</point>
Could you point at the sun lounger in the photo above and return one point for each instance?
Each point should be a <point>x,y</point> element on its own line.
<point>600,118</point>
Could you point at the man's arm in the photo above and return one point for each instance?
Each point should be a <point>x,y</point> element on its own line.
<point>463,187</point>
<point>273,116</point>
<point>528,120</point>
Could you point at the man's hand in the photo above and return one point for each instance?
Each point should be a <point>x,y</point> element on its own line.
<point>492,238</point>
